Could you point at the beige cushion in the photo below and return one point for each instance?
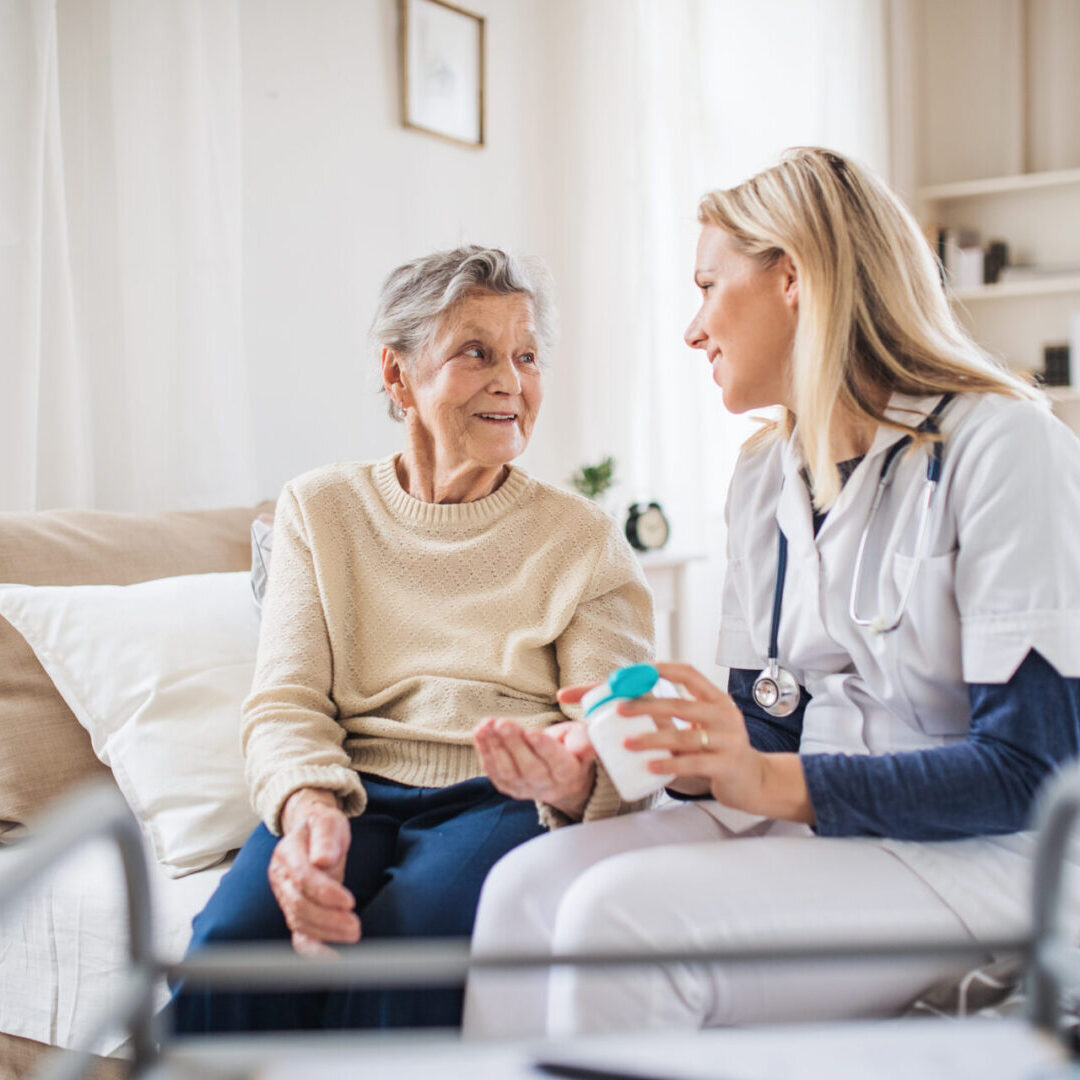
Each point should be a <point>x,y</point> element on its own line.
<point>43,750</point>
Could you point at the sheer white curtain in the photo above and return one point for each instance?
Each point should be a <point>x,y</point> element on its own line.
<point>37,347</point>
<point>122,331</point>
<point>677,97</point>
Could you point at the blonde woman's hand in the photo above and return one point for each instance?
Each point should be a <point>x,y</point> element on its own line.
<point>716,749</point>
<point>691,785</point>
<point>556,766</point>
<point>307,870</point>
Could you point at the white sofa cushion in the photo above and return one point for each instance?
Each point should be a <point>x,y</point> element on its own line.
<point>156,673</point>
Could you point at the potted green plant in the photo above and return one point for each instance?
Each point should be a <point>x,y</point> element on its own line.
<point>593,481</point>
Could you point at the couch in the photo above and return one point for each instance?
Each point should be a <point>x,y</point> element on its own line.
<point>62,949</point>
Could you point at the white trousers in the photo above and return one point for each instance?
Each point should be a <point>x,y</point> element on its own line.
<point>677,878</point>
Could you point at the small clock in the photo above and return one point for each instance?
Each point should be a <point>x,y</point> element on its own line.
<point>646,527</point>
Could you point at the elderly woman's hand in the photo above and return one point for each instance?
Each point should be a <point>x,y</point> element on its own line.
<point>556,766</point>
<point>716,748</point>
<point>307,870</point>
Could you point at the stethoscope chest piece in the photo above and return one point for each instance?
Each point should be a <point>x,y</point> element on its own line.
<point>776,690</point>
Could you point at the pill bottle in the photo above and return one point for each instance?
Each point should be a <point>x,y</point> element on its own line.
<point>628,769</point>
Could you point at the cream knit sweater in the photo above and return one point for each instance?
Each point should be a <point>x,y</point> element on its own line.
<point>392,626</point>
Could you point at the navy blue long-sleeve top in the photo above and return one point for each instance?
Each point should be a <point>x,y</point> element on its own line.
<point>1021,732</point>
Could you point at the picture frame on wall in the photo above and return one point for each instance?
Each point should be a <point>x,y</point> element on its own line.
<point>442,70</point>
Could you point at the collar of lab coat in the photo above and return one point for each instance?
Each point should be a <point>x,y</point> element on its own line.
<point>794,513</point>
<point>904,409</point>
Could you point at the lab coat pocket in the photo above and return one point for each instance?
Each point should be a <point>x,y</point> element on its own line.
<point>924,651</point>
<point>934,585</point>
<point>739,616</point>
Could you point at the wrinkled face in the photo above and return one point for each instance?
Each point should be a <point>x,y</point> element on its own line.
<point>746,323</point>
<point>476,389</point>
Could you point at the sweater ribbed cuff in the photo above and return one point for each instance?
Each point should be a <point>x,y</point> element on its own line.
<point>551,818</point>
<point>604,802</point>
<point>343,782</point>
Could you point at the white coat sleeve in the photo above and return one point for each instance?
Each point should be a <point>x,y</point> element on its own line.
<point>1017,499</point>
<point>735,649</point>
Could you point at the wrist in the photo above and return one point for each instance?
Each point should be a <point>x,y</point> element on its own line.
<point>302,801</point>
<point>784,790</point>
<point>573,806</point>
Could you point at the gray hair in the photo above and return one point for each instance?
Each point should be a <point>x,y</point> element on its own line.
<point>416,296</point>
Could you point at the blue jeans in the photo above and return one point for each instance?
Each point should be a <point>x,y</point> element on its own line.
<point>417,860</point>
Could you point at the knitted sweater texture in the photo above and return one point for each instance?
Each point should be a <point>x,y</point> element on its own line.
<point>392,626</point>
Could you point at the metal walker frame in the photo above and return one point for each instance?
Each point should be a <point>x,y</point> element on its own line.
<point>98,811</point>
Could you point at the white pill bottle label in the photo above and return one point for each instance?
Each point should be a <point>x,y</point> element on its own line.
<point>628,769</point>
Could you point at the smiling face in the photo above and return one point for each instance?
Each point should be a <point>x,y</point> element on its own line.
<point>476,389</point>
<point>746,323</point>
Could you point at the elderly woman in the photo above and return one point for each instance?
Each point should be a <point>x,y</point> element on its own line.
<point>413,603</point>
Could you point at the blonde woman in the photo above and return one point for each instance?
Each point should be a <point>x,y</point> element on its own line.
<point>901,621</point>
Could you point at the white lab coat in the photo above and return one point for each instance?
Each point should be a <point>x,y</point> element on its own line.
<point>1002,577</point>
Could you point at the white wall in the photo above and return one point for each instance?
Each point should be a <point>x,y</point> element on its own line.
<point>337,193</point>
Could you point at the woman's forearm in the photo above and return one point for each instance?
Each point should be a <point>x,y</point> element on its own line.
<point>1020,732</point>
<point>785,795</point>
<point>944,793</point>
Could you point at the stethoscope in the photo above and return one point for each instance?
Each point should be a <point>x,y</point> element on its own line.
<point>776,690</point>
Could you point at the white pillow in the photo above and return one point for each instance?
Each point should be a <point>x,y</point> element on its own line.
<point>156,673</point>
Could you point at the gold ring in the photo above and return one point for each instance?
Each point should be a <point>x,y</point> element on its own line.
<point>704,738</point>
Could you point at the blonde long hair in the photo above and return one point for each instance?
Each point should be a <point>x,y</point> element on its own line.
<point>873,315</point>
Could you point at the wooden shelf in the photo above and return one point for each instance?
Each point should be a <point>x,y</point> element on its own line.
<point>1007,289</point>
<point>998,185</point>
<point>998,154</point>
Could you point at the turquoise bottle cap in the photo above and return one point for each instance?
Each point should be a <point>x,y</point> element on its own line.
<point>626,682</point>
